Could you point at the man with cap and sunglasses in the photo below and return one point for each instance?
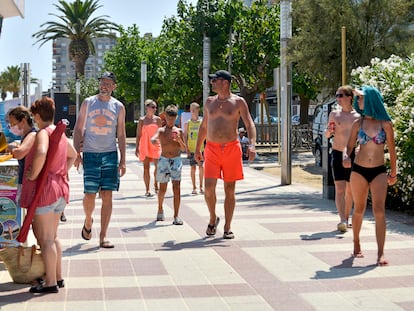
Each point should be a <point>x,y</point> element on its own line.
<point>100,122</point>
<point>222,153</point>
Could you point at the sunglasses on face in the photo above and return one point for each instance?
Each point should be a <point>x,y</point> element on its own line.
<point>152,106</point>
<point>340,95</point>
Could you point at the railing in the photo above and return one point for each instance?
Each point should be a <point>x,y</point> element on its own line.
<point>301,136</point>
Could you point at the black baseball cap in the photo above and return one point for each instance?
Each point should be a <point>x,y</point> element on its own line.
<point>221,74</point>
<point>108,75</point>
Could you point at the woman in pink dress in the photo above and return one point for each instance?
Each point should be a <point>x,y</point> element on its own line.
<point>145,150</point>
<point>54,194</point>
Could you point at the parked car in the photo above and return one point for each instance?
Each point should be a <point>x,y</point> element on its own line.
<point>319,124</point>
<point>296,119</point>
<point>273,120</point>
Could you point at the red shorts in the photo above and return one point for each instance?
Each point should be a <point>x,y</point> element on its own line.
<point>223,161</point>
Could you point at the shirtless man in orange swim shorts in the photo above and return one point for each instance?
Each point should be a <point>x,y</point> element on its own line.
<point>222,153</point>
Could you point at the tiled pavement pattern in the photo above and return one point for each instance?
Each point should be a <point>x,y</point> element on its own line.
<point>287,255</point>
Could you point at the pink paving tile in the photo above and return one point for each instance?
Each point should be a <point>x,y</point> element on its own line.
<point>379,282</point>
<point>160,292</point>
<point>83,268</point>
<point>87,294</point>
<point>116,267</point>
<point>197,291</point>
<point>406,281</point>
<point>228,290</point>
<point>406,305</point>
<point>121,293</point>
<point>148,266</point>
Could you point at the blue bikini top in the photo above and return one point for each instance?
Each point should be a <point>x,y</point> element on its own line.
<point>363,138</point>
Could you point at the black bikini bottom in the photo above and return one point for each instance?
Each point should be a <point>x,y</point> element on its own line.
<point>369,173</point>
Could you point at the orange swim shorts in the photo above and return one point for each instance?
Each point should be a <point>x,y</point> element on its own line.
<point>223,161</point>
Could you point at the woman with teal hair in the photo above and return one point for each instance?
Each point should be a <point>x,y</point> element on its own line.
<point>371,133</point>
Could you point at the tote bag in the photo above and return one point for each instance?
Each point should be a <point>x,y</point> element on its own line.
<point>25,264</point>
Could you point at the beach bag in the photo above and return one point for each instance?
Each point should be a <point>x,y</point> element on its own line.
<point>25,264</point>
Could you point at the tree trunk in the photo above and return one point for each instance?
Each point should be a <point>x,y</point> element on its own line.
<point>304,110</point>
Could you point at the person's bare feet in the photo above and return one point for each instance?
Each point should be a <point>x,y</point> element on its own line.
<point>381,261</point>
<point>357,254</point>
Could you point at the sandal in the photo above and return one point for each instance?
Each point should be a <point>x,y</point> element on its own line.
<point>228,235</point>
<point>194,191</point>
<point>86,233</point>
<point>106,244</point>
<point>177,221</point>
<point>160,216</point>
<point>148,194</point>
<point>211,229</point>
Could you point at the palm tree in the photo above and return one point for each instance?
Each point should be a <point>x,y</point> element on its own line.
<point>77,25</point>
<point>3,91</point>
<point>10,81</point>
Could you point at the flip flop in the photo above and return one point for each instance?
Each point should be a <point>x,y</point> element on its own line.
<point>106,244</point>
<point>228,235</point>
<point>86,233</point>
<point>211,229</point>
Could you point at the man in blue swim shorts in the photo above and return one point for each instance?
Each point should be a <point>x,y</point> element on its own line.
<point>100,122</point>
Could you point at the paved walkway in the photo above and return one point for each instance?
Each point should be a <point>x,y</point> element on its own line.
<point>287,255</point>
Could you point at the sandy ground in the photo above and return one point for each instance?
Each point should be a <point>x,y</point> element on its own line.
<point>310,174</point>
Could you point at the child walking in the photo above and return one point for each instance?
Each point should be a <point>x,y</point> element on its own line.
<point>170,138</point>
<point>190,135</point>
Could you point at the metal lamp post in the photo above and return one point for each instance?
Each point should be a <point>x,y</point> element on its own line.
<point>77,87</point>
<point>285,90</point>
<point>143,85</point>
<point>206,68</point>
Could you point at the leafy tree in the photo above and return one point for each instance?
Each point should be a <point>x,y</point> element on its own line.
<point>76,24</point>
<point>375,28</point>
<point>248,37</point>
<point>88,87</point>
<point>255,47</point>
<point>124,60</point>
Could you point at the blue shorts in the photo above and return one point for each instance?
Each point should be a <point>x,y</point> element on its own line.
<point>169,167</point>
<point>56,208</point>
<point>100,171</point>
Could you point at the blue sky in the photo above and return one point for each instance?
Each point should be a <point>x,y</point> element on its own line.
<point>16,42</point>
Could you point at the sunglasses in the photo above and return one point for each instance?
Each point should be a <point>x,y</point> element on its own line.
<point>340,95</point>
<point>152,106</point>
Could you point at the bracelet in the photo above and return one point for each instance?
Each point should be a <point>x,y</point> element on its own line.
<point>251,146</point>
<point>390,176</point>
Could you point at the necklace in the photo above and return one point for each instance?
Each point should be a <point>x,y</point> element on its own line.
<point>222,100</point>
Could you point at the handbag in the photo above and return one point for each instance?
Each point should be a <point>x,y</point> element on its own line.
<point>25,264</point>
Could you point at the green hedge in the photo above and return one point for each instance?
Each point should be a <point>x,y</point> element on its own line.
<point>131,129</point>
